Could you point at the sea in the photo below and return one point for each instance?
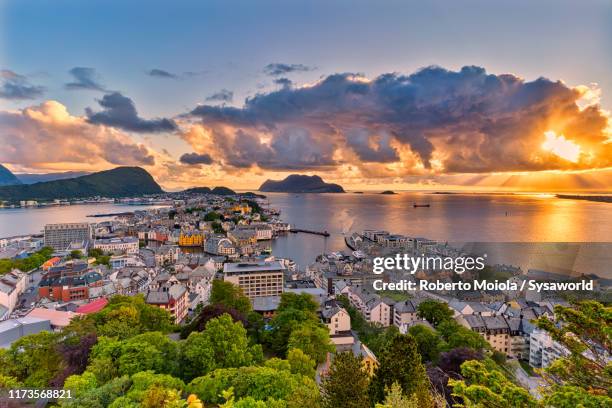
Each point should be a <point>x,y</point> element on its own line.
<point>537,231</point>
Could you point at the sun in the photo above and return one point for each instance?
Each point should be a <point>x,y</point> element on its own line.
<point>559,145</point>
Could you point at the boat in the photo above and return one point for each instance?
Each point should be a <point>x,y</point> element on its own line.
<point>415,205</point>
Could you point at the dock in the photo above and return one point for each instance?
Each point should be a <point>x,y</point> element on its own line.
<point>305,231</point>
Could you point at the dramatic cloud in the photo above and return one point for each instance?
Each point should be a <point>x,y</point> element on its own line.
<point>85,78</point>
<point>15,86</point>
<point>160,73</point>
<point>120,112</point>
<point>277,69</point>
<point>195,158</point>
<point>222,96</point>
<point>47,136</point>
<point>431,122</point>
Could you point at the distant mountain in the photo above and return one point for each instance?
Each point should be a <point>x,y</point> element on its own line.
<point>31,178</point>
<point>7,178</point>
<point>118,182</point>
<point>298,183</point>
<point>206,190</point>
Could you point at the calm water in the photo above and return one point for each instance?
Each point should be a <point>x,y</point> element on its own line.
<point>458,218</point>
<point>21,221</point>
<point>451,218</point>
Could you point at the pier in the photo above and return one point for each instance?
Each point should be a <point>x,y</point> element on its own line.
<point>305,231</point>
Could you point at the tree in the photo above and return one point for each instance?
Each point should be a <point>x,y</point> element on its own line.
<point>585,330</point>
<point>449,366</point>
<point>489,388</point>
<point>148,351</point>
<point>302,301</point>
<point>434,312</point>
<point>394,398</point>
<point>230,295</point>
<point>455,336</point>
<point>75,355</point>
<point>428,341</point>
<point>222,344</point>
<point>313,339</point>
<point>282,325</point>
<point>75,254</point>
<point>33,359</point>
<point>400,362</point>
<point>301,364</point>
<point>346,384</point>
<point>210,312</point>
<point>260,383</point>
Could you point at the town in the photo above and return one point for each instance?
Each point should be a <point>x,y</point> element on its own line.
<point>173,256</point>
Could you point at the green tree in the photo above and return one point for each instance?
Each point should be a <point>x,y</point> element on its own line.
<point>301,364</point>
<point>434,312</point>
<point>260,383</point>
<point>302,301</point>
<point>222,344</point>
<point>456,335</point>
<point>230,295</point>
<point>482,387</point>
<point>394,398</point>
<point>76,254</point>
<point>428,341</point>
<point>33,359</point>
<point>346,384</point>
<point>400,362</point>
<point>81,384</point>
<point>313,339</point>
<point>585,330</point>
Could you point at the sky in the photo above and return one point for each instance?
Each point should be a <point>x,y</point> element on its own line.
<point>370,94</point>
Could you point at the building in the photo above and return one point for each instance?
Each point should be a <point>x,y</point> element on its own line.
<point>191,239</point>
<point>12,285</point>
<point>60,236</point>
<point>256,279</point>
<point>173,298</point>
<point>494,329</point>
<point>124,245</point>
<point>68,282</point>
<point>219,245</point>
<point>13,329</point>
<point>543,350</point>
<point>58,319</point>
<point>405,315</point>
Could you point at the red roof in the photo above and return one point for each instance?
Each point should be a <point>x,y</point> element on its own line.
<point>92,307</point>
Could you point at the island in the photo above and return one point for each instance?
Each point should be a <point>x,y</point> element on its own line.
<point>596,198</point>
<point>298,183</point>
<point>118,182</point>
<point>388,192</point>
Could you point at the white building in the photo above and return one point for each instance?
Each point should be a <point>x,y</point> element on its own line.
<point>543,350</point>
<point>124,245</point>
<point>12,285</point>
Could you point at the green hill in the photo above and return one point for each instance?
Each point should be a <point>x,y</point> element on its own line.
<point>7,178</point>
<point>118,182</point>
<point>298,183</point>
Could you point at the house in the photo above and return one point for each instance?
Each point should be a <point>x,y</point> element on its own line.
<point>405,315</point>
<point>173,298</point>
<point>12,284</point>
<point>494,329</point>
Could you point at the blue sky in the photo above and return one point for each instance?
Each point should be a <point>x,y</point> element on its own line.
<point>231,41</point>
<point>213,46</point>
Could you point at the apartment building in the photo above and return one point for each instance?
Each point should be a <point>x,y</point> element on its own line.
<point>12,285</point>
<point>124,245</point>
<point>60,236</point>
<point>256,279</point>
